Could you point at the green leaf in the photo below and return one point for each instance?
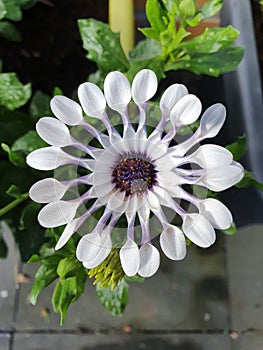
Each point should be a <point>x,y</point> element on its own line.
<point>157,65</point>
<point>211,7</point>
<point>146,49</point>
<point>238,148</point>
<point>211,64</point>
<point>2,9</point>
<point>13,94</point>
<point>136,278</point>
<point>57,91</point>
<point>68,267</point>
<point>150,33</point>
<point>103,45</point>
<point>45,275</point>
<point>9,32</point>
<point>249,180</point>
<point>66,292</point>
<point>28,216</point>
<point>211,40</point>
<point>15,158</point>
<point>232,230</point>
<point>195,20</point>
<point>114,301</point>
<point>40,105</point>
<point>187,8</point>
<point>13,8</point>
<point>14,192</point>
<point>28,142</point>
<point>156,13</point>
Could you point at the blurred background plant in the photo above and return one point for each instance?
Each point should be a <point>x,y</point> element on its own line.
<point>166,45</point>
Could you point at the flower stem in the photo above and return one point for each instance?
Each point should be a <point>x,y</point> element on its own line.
<point>13,204</point>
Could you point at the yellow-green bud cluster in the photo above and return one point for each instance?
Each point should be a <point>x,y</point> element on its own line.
<point>109,273</point>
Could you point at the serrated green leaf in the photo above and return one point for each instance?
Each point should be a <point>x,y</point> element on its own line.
<point>211,40</point>
<point>68,267</point>
<point>66,292</point>
<point>187,8</point>
<point>2,9</point>
<point>114,301</point>
<point>45,275</point>
<point>211,64</point>
<point>232,230</point>
<point>249,181</point>
<point>146,49</point>
<point>238,148</point>
<point>9,32</point>
<point>156,13</point>
<point>211,7</point>
<point>13,94</point>
<point>103,45</point>
<point>40,105</point>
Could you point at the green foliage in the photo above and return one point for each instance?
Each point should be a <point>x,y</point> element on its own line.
<point>114,301</point>
<point>238,148</point>
<point>9,32</point>
<point>13,94</point>
<point>249,180</point>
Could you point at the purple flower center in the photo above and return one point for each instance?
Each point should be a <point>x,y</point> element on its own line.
<point>134,173</point>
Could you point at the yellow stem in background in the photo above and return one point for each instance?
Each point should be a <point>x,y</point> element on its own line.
<point>121,19</point>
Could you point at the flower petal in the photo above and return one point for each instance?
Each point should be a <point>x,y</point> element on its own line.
<point>186,111</point>
<point>199,230</point>
<point>221,178</point>
<point>216,212</point>
<point>130,257</point>
<point>47,190</point>
<point>149,260</point>
<point>69,230</point>
<point>48,158</point>
<point>144,86</point>
<point>117,91</point>
<point>211,156</point>
<point>57,213</point>
<point>172,242</point>
<point>104,251</point>
<point>53,131</point>
<point>68,111</point>
<point>91,99</point>
<point>212,120</point>
<point>171,96</point>
<point>89,246</point>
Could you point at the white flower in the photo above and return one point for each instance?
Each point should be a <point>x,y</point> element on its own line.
<point>133,174</point>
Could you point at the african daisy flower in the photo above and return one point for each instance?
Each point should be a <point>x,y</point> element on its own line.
<point>133,174</point>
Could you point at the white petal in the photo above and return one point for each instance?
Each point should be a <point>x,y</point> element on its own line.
<point>172,242</point>
<point>48,158</point>
<point>212,120</point>
<point>199,230</point>
<point>130,258</point>
<point>172,95</point>
<point>89,247</point>
<point>69,230</point>
<point>216,212</point>
<point>221,178</point>
<point>103,253</point>
<point>53,131</point>
<point>144,86</point>
<point>47,190</point>
<point>149,260</point>
<point>186,111</point>
<point>152,200</point>
<point>68,111</point>
<point>116,201</point>
<point>91,99</point>
<point>57,213</point>
<point>211,156</point>
<point>117,91</point>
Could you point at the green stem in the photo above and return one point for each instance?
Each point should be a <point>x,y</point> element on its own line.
<point>13,204</point>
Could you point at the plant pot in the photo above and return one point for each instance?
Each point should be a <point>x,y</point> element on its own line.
<point>243,94</point>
